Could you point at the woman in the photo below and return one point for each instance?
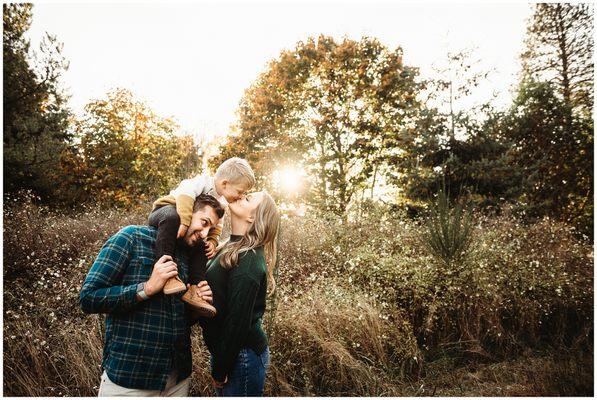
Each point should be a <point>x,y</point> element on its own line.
<point>239,277</point>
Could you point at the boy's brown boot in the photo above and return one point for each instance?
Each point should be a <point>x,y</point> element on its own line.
<point>202,307</point>
<point>174,285</point>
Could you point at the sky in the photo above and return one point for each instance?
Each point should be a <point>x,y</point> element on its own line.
<point>193,61</point>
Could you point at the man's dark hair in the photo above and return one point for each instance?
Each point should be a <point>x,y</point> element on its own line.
<point>208,200</point>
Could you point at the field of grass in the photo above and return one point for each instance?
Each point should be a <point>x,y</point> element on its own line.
<point>362,308</point>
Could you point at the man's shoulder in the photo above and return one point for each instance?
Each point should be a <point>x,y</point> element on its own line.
<point>135,232</point>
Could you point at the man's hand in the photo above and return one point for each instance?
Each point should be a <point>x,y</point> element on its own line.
<point>217,384</point>
<point>204,291</point>
<point>182,230</point>
<point>210,248</point>
<point>163,270</point>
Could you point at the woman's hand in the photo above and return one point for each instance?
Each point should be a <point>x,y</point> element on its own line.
<point>217,384</point>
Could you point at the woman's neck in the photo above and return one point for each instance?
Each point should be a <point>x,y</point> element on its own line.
<point>238,227</point>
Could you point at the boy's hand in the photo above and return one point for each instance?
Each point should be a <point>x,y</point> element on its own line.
<point>182,230</point>
<point>210,249</point>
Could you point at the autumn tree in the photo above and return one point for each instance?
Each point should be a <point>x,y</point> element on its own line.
<point>338,109</point>
<point>559,49</point>
<point>126,153</point>
<point>35,122</point>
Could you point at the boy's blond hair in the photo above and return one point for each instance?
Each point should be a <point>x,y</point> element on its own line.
<point>236,170</point>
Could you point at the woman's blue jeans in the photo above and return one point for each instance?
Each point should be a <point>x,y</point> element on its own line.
<point>248,374</point>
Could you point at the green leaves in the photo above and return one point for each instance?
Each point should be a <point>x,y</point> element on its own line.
<point>449,229</point>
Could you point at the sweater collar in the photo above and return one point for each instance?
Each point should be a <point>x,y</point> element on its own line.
<point>235,238</point>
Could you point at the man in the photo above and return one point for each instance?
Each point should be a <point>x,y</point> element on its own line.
<point>147,350</point>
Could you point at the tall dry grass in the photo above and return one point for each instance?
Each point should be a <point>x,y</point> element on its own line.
<point>362,308</point>
<point>336,342</point>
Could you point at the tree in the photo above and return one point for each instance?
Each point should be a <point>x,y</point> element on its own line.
<point>554,148</point>
<point>559,49</point>
<point>126,153</point>
<point>456,144</point>
<point>35,115</point>
<point>338,109</point>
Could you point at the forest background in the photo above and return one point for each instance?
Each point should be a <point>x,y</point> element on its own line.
<point>446,250</point>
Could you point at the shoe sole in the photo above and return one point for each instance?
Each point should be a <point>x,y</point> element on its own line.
<point>203,312</point>
<point>174,291</point>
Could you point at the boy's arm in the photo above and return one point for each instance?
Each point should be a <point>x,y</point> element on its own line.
<point>214,234</point>
<point>102,291</point>
<point>184,208</point>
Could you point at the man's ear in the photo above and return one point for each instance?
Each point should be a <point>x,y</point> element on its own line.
<point>225,182</point>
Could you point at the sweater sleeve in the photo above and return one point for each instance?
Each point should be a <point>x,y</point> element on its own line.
<point>214,233</point>
<point>243,288</point>
<point>184,208</point>
<point>102,291</point>
<point>185,195</point>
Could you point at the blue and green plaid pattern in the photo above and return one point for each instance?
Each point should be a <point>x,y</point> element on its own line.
<point>145,340</point>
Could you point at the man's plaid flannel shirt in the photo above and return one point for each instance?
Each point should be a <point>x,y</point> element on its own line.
<point>145,340</point>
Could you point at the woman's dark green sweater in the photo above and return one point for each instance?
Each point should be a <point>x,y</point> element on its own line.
<point>239,297</point>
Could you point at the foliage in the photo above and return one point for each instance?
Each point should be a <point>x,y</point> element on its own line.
<point>559,50</point>
<point>358,299</point>
<point>126,153</point>
<point>35,115</point>
<point>554,149</point>
<point>449,229</point>
<point>337,109</point>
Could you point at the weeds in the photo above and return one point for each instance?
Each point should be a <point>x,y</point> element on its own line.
<point>362,308</point>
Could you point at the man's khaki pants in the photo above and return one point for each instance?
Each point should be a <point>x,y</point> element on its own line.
<point>110,389</point>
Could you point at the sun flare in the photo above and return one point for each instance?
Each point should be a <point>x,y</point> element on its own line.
<point>289,179</point>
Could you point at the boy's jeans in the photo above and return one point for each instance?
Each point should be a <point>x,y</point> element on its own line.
<point>248,375</point>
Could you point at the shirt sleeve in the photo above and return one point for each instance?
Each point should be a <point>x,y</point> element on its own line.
<point>243,290</point>
<point>102,291</point>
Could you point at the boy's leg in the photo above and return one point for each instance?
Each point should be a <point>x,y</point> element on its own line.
<point>167,222</point>
<point>197,269</point>
<point>198,264</point>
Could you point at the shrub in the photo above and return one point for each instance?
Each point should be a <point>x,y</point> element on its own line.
<point>448,234</point>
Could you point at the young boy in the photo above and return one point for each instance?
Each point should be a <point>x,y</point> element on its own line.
<point>233,178</point>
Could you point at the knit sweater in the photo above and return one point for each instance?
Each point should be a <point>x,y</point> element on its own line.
<point>239,296</point>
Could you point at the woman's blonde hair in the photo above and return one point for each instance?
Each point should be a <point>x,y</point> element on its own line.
<point>262,232</point>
